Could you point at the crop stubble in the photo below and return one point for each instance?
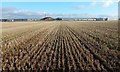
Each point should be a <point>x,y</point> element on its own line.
<point>61,45</point>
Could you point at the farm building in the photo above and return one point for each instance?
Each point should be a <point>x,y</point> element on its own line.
<point>58,19</point>
<point>3,20</point>
<point>101,19</point>
<point>84,19</point>
<point>91,19</point>
<point>48,19</point>
<point>33,19</point>
<point>20,20</point>
<point>6,20</point>
<point>12,20</point>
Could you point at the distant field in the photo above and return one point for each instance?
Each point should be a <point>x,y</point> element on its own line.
<point>60,45</point>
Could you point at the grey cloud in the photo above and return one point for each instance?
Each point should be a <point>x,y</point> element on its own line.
<point>9,12</point>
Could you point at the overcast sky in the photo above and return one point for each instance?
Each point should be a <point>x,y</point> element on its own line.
<point>107,8</point>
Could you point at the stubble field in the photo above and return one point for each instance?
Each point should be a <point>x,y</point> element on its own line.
<point>60,45</point>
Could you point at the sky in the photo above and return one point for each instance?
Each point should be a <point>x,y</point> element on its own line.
<point>59,9</point>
